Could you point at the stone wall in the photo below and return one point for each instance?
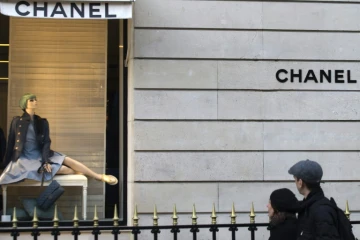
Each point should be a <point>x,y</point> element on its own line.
<point>212,124</point>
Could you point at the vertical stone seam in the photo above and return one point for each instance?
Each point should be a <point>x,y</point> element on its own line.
<point>217,90</point>
<point>262,100</point>
<point>263,115</point>
<point>262,32</point>
<point>218,196</point>
<point>263,151</point>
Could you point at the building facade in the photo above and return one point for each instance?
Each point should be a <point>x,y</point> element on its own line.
<point>227,95</point>
<point>222,98</point>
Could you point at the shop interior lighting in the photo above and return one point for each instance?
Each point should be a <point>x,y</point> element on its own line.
<point>4,78</point>
<point>4,45</point>
<point>4,61</point>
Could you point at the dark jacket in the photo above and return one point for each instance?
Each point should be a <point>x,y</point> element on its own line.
<point>2,144</point>
<point>17,137</point>
<point>317,221</point>
<point>285,230</point>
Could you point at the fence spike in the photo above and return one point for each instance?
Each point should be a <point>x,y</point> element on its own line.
<point>76,219</point>
<point>347,211</point>
<point>14,219</point>
<point>174,216</point>
<point>252,213</point>
<point>135,218</point>
<point>233,214</point>
<point>35,219</point>
<point>155,218</point>
<point>116,217</point>
<point>194,217</point>
<point>213,215</point>
<point>96,219</point>
<point>56,218</point>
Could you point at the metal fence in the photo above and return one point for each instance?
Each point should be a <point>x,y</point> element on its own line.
<point>35,227</point>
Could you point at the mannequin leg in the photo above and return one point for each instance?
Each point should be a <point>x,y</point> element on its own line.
<point>64,170</point>
<point>77,166</point>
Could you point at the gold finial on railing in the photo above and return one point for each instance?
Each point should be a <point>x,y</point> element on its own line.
<point>35,219</point>
<point>14,219</point>
<point>252,213</point>
<point>135,218</point>
<point>174,216</point>
<point>233,215</point>
<point>213,215</point>
<point>56,218</point>
<point>347,211</point>
<point>155,217</point>
<point>96,219</point>
<point>116,217</point>
<point>194,217</point>
<point>76,219</point>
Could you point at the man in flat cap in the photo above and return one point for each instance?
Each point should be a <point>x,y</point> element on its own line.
<point>317,218</point>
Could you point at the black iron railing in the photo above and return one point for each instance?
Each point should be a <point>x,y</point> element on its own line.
<point>136,231</point>
<point>16,229</point>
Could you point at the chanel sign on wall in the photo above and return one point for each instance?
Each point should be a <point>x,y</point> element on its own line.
<point>312,76</point>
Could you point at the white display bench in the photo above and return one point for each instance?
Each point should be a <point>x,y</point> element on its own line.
<point>75,180</point>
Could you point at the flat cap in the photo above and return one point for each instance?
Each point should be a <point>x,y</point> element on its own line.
<point>307,170</point>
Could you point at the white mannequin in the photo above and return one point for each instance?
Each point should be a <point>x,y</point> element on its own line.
<point>74,167</point>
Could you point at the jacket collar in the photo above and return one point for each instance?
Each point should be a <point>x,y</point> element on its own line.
<point>314,196</point>
<point>26,116</point>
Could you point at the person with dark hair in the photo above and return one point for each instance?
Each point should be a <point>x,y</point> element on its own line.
<point>28,151</point>
<point>282,208</point>
<point>317,218</point>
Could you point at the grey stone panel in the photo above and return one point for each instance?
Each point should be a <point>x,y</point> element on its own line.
<point>207,74</point>
<point>198,166</point>
<point>337,166</point>
<point>201,135</point>
<point>175,74</point>
<point>310,45</point>
<point>288,105</point>
<point>197,14</point>
<point>178,104</point>
<point>312,136</point>
<point>246,15</point>
<point>310,16</point>
<point>245,45</point>
<point>262,75</point>
<point>242,194</point>
<point>241,105</point>
<point>205,135</point>
<point>184,195</point>
<point>197,44</point>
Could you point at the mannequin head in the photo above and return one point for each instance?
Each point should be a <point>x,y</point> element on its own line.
<point>28,102</point>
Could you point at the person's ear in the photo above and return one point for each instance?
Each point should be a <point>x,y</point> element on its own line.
<point>301,183</point>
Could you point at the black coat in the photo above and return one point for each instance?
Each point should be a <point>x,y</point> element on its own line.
<point>317,221</point>
<point>2,144</point>
<point>285,230</point>
<point>17,137</point>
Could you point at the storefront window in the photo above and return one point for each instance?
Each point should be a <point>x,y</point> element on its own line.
<point>75,69</point>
